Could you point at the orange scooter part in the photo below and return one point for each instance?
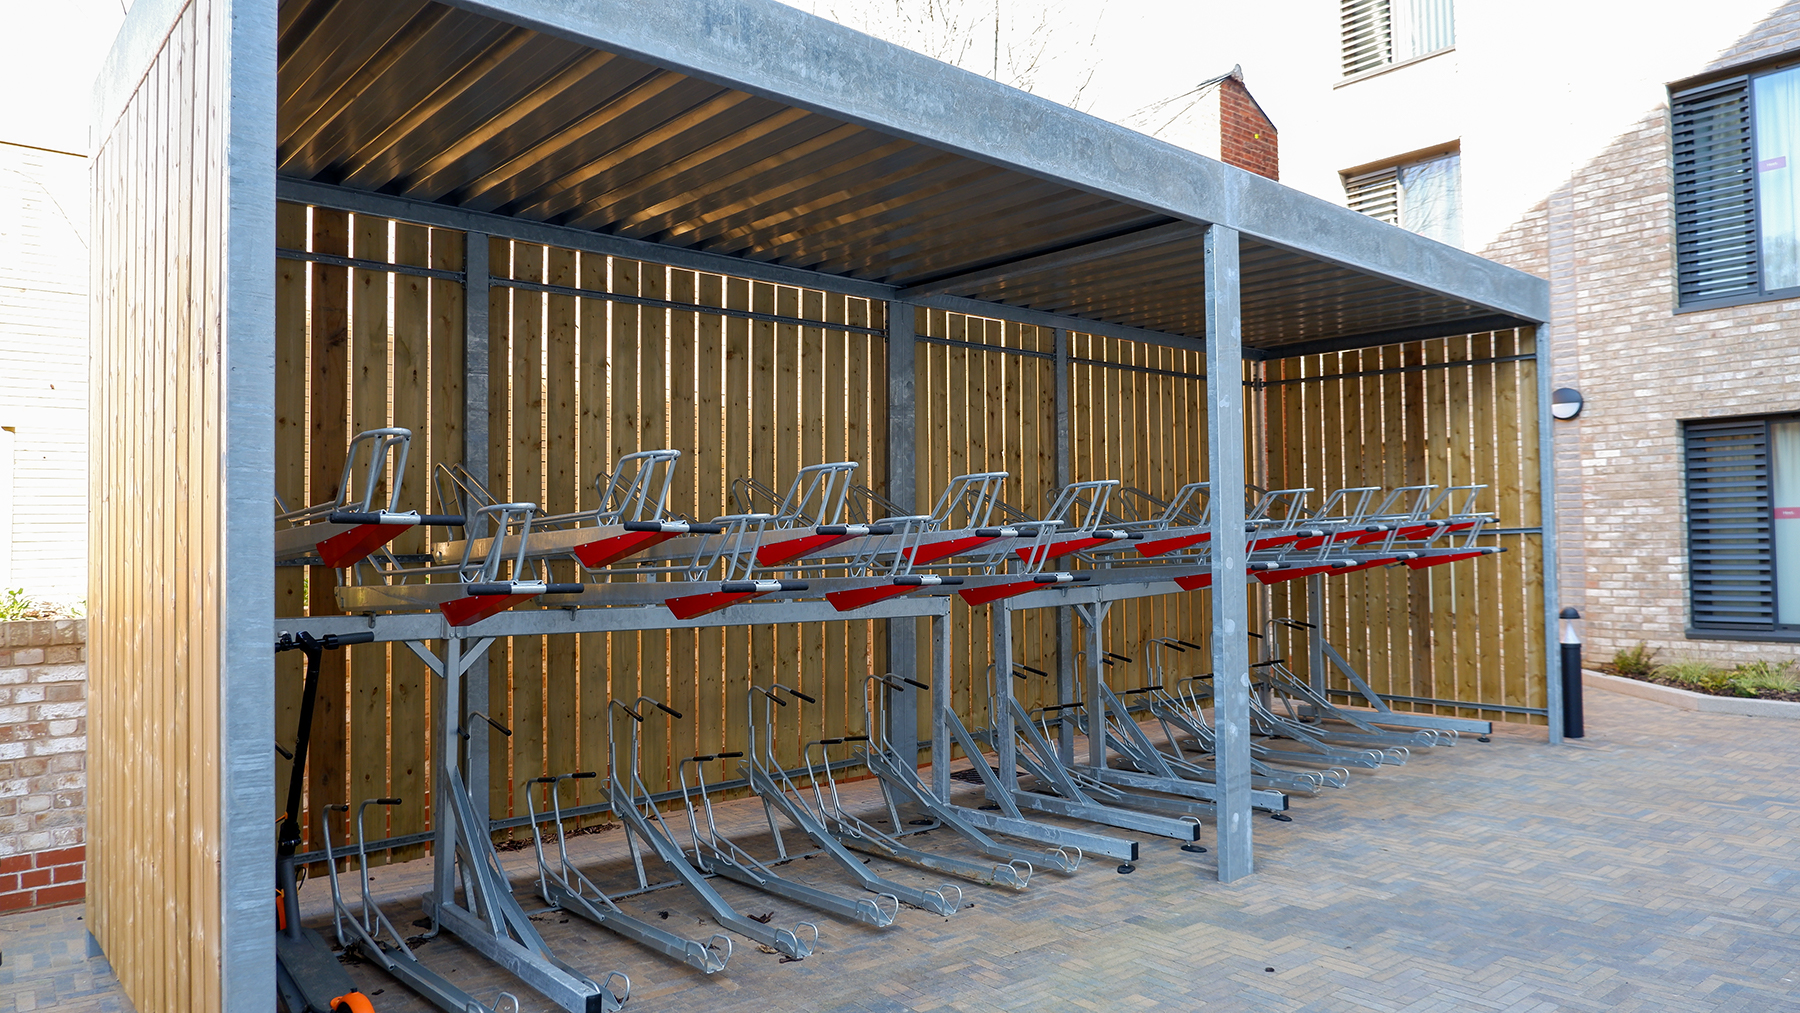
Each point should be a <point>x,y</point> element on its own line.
<point>352,1002</point>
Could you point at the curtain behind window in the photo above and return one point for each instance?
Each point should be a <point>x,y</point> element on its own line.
<point>1423,26</point>
<point>1431,199</point>
<point>1777,103</point>
<point>1784,486</point>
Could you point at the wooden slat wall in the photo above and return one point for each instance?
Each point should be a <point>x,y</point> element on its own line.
<point>166,570</point>
<point>738,398</point>
<point>578,381</point>
<point>1467,631</point>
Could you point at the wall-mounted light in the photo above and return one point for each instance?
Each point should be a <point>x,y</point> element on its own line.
<point>1565,402</point>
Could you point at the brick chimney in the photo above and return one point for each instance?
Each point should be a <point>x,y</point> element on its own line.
<point>1219,119</point>
<point>1246,137</point>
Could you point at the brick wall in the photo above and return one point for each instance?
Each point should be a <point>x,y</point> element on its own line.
<point>1246,137</point>
<point>1605,241</point>
<point>43,762</point>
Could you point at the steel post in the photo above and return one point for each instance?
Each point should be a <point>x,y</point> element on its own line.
<point>475,461</point>
<point>902,634</point>
<point>1553,684</point>
<point>1065,619</point>
<point>1231,613</point>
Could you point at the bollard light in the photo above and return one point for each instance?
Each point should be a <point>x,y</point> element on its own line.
<point>1569,625</point>
<point>1569,633</point>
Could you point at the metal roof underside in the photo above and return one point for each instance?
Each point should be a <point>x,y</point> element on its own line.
<point>537,113</point>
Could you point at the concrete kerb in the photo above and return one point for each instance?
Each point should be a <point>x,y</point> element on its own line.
<point>1688,700</point>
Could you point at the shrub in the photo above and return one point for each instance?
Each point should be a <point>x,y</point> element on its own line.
<point>1701,675</point>
<point>1635,661</point>
<point>1766,675</point>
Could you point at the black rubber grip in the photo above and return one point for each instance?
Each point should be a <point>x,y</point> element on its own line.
<point>387,801</point>
<point>1021,675</point>
<point>737,586</point>
<point>1120,657</point>
<point>1266,664</point>
<point>829,742</point>
<point>489,589</point>
<point>546,779</point>
<point>706,529</point>
<point>666,709</point>
<point>1108,662</point>
<point>565,588</point>
<point>1140,689</point>
<point>793,585</point>
<point>333,640</point>
<point>801,695</point>
<point>1256,635</point>
<point>635,716</point>
<point>732,755</point>
<point>989,532</point>
<point>1296,622</point>
<point>641,525</point>
<point>1058,707</point>
<point>502,729</point>
<point>915,682</point>
<point>856,738</point>
<point>352,517</point>
<point>1034,671</point>
<point>339,807</point>
<point>582,775</point>
<point>1175,647</point>
<point>1184,643</point>
<point>443,520</point>
<point>284,753</point>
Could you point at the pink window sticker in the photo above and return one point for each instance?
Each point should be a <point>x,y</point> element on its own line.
<point>1787,513</point>
<point>1771,164</point>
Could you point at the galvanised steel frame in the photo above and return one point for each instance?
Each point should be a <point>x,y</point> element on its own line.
<point>777,53</point>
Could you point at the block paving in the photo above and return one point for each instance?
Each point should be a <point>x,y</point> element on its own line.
<point>1652,866</point>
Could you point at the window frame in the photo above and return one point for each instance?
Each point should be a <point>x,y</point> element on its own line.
<point>1786,62</point>
<point>1776,631</point>
<point>1394,166</point>
<point>1394,61</point>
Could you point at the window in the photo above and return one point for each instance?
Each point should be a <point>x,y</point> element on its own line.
<point>1743,487</point>
<point>1376,33</point>
<point>1737,189</point>
<point>1423,197</point>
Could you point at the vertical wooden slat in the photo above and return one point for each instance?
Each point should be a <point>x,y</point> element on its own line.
<point>682,401</point>
<point>526,711</point>
<point>500,483</point>
<point>563,478</point>
<point>369,410</point>
<point>704,475</point>
<point>448,299</point>
<point>1513,688</point>
<point>787,405</point>
<point>738,363</point>
<point>409,682</point>
<point>328,392</point>
<point>623,428</point>
<point>592,388</point>
<point>1484,651</point>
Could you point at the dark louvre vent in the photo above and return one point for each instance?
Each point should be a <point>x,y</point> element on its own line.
<point>1730,568</point>
<point>1715,195</point>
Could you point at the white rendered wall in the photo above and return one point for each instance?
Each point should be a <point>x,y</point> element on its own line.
<point>43,370</point>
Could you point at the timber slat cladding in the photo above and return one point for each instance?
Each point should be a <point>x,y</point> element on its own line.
<point>156,531</point>
<point>1450,411</point>
<point>577,380</point>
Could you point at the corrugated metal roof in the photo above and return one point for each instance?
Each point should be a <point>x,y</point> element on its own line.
<point>436,103</point>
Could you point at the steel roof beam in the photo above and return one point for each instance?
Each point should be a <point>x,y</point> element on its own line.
<point>445,216</point>
<point>1056,260</point>
<point>847,75</point>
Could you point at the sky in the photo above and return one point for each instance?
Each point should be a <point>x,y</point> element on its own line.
<point>50,87</point>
